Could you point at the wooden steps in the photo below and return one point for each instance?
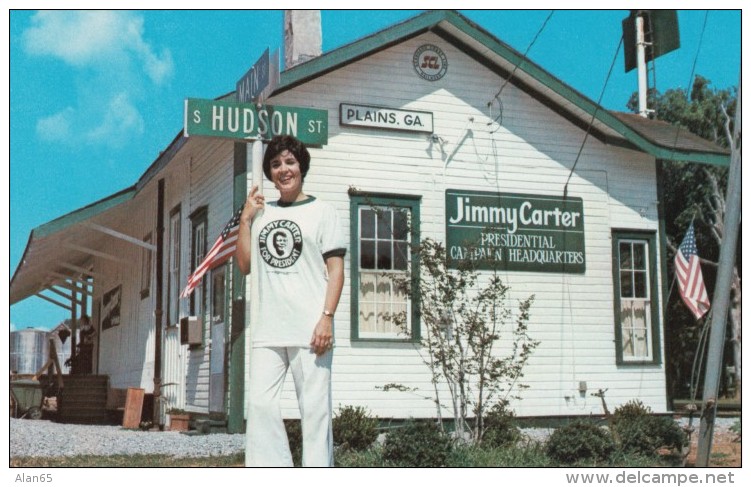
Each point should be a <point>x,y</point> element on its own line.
<point>83,400</point>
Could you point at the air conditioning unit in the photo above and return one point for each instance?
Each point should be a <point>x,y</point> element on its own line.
<point>191,329</point>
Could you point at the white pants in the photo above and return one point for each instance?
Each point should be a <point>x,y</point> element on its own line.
<point>266,439</point>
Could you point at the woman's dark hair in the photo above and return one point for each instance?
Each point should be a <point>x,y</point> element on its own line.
<point>281,143</point>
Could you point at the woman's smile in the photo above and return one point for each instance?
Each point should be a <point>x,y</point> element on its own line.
<point>286,175</point>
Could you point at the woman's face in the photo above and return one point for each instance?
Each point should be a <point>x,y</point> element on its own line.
<point>285,173</point>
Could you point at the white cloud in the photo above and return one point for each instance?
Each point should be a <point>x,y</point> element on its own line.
<point>96,37</point>
<point>120,120</point>
<point>115,69</point>
<point>56,128</point>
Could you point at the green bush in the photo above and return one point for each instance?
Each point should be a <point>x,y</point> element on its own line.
<point>417,444</point>
<point>640,432</point>
<point>500,428</point>
<point>631,410</point>
<point>736,428</point>
<point>579,440</point>
<point>354,428</point>
<point>294,435</point>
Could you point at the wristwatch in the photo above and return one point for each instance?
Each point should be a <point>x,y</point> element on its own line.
<point>328,313</point>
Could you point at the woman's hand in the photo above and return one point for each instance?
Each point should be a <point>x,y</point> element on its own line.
<point>323,339</point>
<point>253,203</point>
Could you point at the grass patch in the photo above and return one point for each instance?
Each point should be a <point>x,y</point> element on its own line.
<point>532,456</point>
<point>133,461</point>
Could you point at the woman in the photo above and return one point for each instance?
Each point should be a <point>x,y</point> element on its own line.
<point>300,250</point>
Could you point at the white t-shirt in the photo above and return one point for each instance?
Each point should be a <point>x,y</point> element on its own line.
<point>291,243</point>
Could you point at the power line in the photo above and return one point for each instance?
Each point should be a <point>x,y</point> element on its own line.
<point>594,115</point>
<point>516,66</point>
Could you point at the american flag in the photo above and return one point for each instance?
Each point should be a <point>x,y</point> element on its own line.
<point>220,252</point>
<point>688,272</point>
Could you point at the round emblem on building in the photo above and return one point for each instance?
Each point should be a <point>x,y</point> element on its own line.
<point>430,62</point>
<point>280,243</point>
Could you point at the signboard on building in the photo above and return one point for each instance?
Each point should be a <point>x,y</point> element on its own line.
<point>385,118</point>
<point>110,310</point>
<point>234,120</point>
<point>515,232</point>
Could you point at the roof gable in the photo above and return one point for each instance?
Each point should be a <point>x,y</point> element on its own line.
<point>612,127</point>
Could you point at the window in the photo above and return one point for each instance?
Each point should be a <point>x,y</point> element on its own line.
<point>635,291</point>
<point>146,268</point>
<point>383,229</point>
<point>198,251</point>
<point>218,296</point>
<point>173,301</point>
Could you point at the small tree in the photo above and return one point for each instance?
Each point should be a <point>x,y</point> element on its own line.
<point>463,315</point>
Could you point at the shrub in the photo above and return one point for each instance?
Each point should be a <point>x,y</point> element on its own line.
<point>645,436</point>
<point>640,432</point>
<point>354,428</point>
<point>500,430</point>
<point>417,444</point>
<point>294,435</point>
<point>632,409</point>
<point>579,440</point>
<point>736,428</point>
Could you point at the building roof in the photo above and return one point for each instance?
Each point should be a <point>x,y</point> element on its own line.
<point>612,127</point>
<point>46,262</point>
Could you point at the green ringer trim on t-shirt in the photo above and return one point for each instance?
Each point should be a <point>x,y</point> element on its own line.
<point>307,200</point>
<point>335,253</point>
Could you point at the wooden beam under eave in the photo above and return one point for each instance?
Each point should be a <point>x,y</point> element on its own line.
<point>82,270</point>
<point>69,297</point>
<point>93,252</point>
<point>120,235</point>
<point>40,295</point>
<point>68,286</point>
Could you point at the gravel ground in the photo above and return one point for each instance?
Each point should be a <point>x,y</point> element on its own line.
<point>43,438</point>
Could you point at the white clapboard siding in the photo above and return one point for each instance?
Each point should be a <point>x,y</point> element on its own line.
<point>210,186</point>
<point>127,351</point>
<point>532,150</point>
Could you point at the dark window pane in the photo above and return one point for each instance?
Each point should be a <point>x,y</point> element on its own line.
<point>625,250</point>
<point>640,284</point>
<point>367,254</point>
<point>367,223</point>
<point>400,255</point>
<point>384,224</point>
<point>401,224</point>
<point>384,255</point>
<point>626,288</point>
<point>640,256</point>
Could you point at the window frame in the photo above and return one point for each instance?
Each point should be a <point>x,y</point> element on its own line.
<point>650,239</point>
<point>368,199</point>
<point>146,267</point>
<point>198,220</point>
<point>174,258</point>
<point>198,299</point>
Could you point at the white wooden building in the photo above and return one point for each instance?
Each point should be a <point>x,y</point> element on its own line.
<point>435,116</point>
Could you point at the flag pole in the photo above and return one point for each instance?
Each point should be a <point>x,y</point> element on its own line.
<point>721,294</point>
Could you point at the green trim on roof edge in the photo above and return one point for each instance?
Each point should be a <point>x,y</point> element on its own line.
<point>578,99</point>
<point>426,21</point>
<point>359,48</point>
<point>84,213</point>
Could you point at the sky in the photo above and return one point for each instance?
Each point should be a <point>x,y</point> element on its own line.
<point>96,95</point>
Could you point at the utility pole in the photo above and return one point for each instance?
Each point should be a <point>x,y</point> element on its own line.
<point>721,294</point>
<point>641,64</point>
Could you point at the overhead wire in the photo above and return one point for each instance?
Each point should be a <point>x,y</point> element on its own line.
<point>594,115</point>
<point>513,72</point>
<point>690,80</point>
